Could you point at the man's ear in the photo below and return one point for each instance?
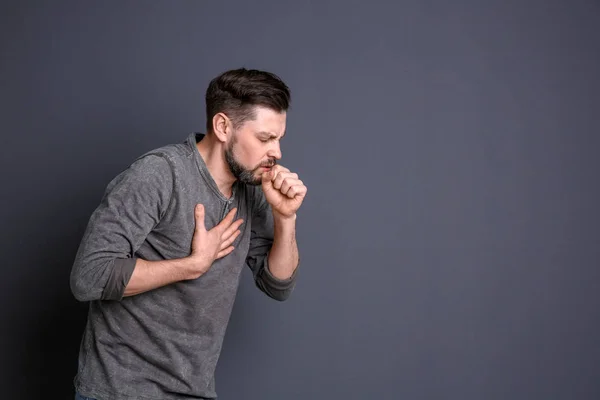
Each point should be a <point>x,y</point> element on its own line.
<point>222,127</point>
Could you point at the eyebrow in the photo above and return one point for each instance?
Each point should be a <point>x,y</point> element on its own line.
<point>270,134</point>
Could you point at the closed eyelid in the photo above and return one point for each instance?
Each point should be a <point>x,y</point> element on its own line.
<point>269,136</point>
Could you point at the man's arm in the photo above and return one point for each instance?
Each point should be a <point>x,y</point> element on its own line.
<point>148,275</point>
<point>263,241</point>
<point>133,203</point>
<point>273,256</point>
<point>105,267</point>
<point>283,257</point>
<point>207,246</point>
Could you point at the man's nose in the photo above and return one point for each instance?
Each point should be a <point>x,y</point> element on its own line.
<point>275,151</point>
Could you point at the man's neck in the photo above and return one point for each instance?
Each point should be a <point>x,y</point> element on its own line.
<point>211,151</point>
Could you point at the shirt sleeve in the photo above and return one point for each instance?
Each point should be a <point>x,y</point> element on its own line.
<point>261,241</point>
<point>133,203</point>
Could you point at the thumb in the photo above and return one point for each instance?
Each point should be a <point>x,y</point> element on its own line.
<point>199,216</point>
<point>266,177</point>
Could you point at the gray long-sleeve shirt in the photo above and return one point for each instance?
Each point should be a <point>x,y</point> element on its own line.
<point>163,344</point>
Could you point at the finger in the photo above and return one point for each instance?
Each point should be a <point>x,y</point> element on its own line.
<point>226,222</point>
<point>199,217</point>
<point>229,231</point>
<point>279,168</point>
<point>230,240</point>
<point>223,253</point>
<point>279,178</point>
<point>288,183</point>
<point>297,190</point>
<point>266,176</point>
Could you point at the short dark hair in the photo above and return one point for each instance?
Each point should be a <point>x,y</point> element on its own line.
<point>236,92</point>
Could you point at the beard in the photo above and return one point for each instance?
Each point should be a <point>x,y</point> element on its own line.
<point>240,172</point>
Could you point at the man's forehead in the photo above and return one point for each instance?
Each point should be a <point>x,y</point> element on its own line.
<point>268,115</point>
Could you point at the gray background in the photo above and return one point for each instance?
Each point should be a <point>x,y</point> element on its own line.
<point>450,244</point>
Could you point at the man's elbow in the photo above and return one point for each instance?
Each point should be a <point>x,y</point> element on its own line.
<point>84,284</point>
<point>83,291</point>
<point>101,279</point>
<point>283,295</point>
<point>275,288</point>
<point>279,295</point>
<point>277,291</point>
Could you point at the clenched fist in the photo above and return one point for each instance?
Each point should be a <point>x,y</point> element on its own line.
<point>283,191</point>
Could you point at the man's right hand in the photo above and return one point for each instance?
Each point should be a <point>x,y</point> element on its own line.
<point>210,245</point>
<point>207,246</point>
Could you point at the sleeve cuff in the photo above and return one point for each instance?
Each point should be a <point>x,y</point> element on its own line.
<point>276,283</point>
<point>119,277</point>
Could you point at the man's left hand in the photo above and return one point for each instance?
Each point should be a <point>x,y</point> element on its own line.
<point>283,191</point>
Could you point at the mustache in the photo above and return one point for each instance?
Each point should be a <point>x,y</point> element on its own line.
<point>269,164</point>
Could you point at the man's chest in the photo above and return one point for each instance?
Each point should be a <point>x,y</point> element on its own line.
<point>177,226</point>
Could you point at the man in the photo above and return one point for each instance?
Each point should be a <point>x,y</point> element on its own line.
<point>161,257</point>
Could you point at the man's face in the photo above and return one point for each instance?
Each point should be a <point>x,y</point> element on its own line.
<point>254,146</point>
